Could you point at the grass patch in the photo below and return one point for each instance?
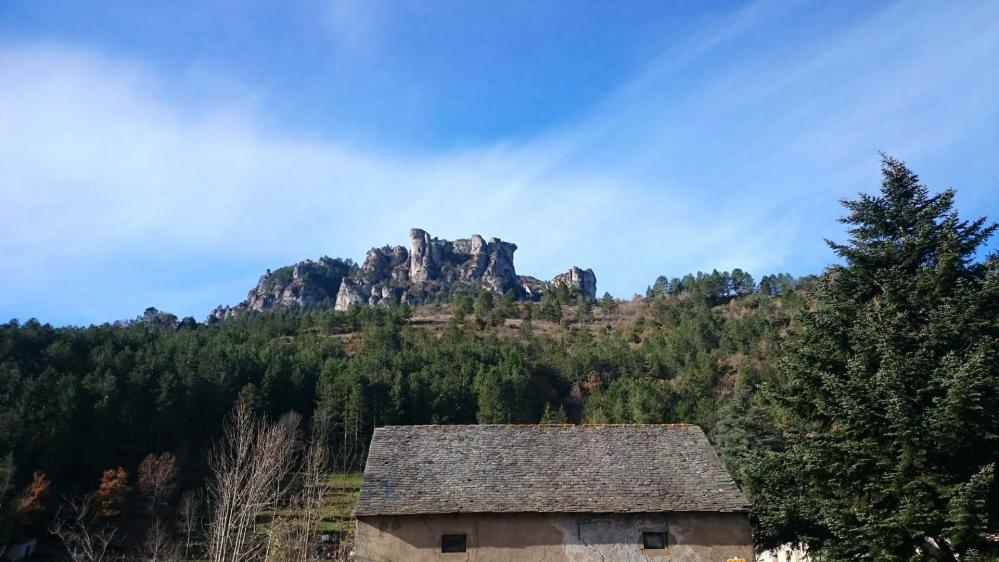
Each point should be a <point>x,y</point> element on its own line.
<point>338,504</point>
<point>339,501</point>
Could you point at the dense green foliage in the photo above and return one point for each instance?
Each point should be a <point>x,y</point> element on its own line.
<point>887,396</point>
<point>76,401</point>
<point>326,273</point>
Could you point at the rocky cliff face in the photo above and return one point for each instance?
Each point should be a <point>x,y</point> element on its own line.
<point>430,269</point>
<point>303,284</point>
<point>582,280</point>
<point>466,260</point>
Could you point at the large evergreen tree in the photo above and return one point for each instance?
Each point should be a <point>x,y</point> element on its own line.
<point>889,391</point>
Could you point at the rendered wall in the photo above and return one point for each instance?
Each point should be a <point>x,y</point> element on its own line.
<point>692,537</point>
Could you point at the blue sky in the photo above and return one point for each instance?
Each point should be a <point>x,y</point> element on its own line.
<point>165,155</point>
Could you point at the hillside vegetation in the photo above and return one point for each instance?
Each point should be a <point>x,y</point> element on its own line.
<point>858,408</point>
<point>78,400</point>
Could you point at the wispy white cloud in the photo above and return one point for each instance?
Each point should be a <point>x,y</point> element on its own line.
<point>118,195</point>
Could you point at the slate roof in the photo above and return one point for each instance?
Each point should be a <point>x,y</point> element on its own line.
<point>425,469</point>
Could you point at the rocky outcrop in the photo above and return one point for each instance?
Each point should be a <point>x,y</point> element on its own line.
<point>384,263</point>
<point>430,269</point>
<point>532,288</point>
<point>471,261</point>
<point>351,293</point>
<point>584,281</point>
<point>301,285</point>
<point>421,262</point>
<point>500,276</point>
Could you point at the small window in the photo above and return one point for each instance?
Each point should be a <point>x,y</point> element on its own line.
<point>453,543</point>
<point>654,540</point>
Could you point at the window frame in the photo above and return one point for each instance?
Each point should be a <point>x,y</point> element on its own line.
<point>454,536</point>
<point>663,534</point>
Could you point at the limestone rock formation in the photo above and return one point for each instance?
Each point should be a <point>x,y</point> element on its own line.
<point>500,276</point>
<point>351,293</point>
<point>430,269</point>
<point>421,263</point>
<point>303,284</point>
<point>583,280</point>
<point>383,263</point>
<point>468,261</point>
<point>532,288</point>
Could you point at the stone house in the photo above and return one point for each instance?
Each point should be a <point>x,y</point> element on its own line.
<point>549,493</point>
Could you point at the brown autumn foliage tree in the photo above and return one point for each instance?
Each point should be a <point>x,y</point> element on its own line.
<point>158,480</point>
<point>112,493</point>
<point>34,502</point>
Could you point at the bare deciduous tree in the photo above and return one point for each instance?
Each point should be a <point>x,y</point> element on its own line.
<point>293,539</point>
<point>189,515</point>
<point>343,462</point>
<point>158,545</point>
<point>83,536</point>
<point>315,474</point>
<point>249,469</point>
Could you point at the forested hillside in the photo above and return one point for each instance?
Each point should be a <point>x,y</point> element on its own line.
<point>858,408</point>
<point>80,400</point>
<point>84,408</point>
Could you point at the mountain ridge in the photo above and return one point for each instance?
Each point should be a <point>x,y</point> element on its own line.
<point>431,269</point>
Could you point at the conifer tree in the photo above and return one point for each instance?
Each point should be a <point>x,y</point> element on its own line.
<point>607,303</point>
<point>462,306</point>
<point>551,308</point>
<point>483,305</point>
<point>888,391</point>
<point>554,416</point>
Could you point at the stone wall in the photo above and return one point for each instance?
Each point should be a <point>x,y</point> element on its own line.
<point>691,537</point>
